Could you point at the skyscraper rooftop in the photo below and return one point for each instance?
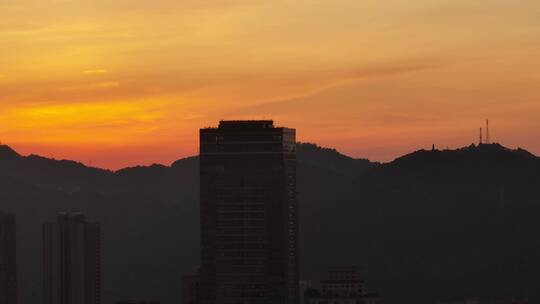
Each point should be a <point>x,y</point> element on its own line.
<point>242,124</point>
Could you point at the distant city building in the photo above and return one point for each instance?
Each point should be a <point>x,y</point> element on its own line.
<point>71,261</point>
<point>343,286</point>
<point>304,287</point>
<point>249,214</point>
<point>342,281</point>
<point>191,289</point>
<point>8,259</point>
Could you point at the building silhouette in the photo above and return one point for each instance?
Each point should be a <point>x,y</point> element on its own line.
<point>342,286</point>
<point>249,214</point>
<point>71,261</point>
<point>304,287</point>
<point>8,259</point>
<point>191,290</point>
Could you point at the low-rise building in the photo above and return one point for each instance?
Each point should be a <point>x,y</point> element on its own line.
<point>343,286</point>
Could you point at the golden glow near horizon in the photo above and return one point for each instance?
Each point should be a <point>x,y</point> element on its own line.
<point>125,82</point>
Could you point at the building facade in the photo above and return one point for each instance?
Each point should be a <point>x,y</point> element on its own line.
<point>249,214</point>
<point>71,261</point>
<point>191,289</point>
<point>343,281</point>
<point>342,286</point>
<point>8,259</point>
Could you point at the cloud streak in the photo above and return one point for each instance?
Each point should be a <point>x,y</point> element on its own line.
<point>96,71</point>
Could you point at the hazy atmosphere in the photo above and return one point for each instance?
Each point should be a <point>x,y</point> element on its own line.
<point>269,152</point>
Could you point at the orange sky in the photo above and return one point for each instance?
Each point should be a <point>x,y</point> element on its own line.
<point>114,83</point>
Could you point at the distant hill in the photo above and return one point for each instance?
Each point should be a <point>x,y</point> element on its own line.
<point>330,159</point>
<point>429,226</point>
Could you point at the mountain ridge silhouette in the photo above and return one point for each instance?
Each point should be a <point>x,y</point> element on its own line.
<point>312,154</point>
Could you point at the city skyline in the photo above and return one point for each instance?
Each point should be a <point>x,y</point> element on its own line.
<point>269,152</point>
<point>250,229</point>
<point>92,81</point>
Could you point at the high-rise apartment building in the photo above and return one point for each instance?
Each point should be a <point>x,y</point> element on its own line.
<point>8,259</point>
<point>71,260</point>
<point>249,214</point>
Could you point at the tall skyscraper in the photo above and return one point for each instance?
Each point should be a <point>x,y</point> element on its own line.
<point>71,261</point>
<point>8,259</point>
<point>249,214</point>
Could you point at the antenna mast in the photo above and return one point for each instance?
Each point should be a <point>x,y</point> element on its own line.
<point>480,142</point>
<point>487,132</point>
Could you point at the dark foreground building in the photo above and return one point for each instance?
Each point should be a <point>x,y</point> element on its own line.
<point>8,259</point>
<point>249,214</point>
<point>71,261</point>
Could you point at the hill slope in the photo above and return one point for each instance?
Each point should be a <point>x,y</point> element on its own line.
<point>429,226</point>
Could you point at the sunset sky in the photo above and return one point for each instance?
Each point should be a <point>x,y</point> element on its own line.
<point>116,83</point>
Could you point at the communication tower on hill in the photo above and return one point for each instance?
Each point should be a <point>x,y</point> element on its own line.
<point>488,141</point>
<point>480,141</point>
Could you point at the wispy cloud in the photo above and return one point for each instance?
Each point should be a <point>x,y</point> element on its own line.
<point>326,81</point>
<point>107,84</point>
<point>19,27</point>
<point>102,121</point>
<point>96,71</point>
